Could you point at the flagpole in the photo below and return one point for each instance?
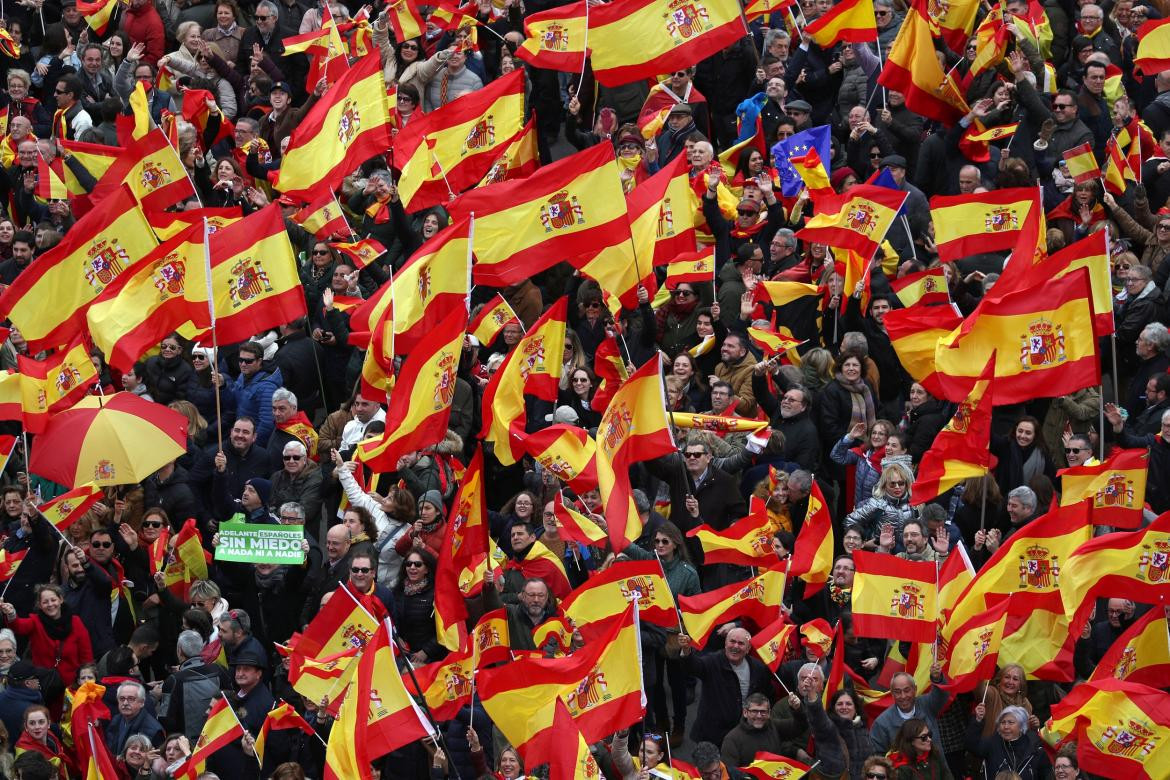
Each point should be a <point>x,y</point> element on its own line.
<point>214,359</point>
<point>983,503</point>
<point>439,165</point>
<point>232,710</point>
<point>584,54</point>
<point>1101,421</point>
<point>881,67</point>
<point>782,685</point>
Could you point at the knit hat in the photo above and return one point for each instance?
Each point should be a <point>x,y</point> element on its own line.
<point>838,176</point>
<point>435,499</point>
<point>21,671</point>
<point>262,487</point>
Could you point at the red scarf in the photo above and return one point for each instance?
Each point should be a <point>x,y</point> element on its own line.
<point>1065,210</point>
<point>53,751</point>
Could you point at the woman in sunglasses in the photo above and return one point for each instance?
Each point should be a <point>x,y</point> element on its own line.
<point>414,600</point>
<point>915,756</point>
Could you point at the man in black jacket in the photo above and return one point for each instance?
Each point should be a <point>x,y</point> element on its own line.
<point>728,678</point>
<point>241,462</point>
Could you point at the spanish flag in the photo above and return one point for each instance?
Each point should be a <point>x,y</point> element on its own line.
<point>915,332</point>
<point>783,293</point>
<point>55,181</point>
<point>542,563</point>
<point>747,542</point>
<point>54,384</point>
<point>420,404</point>
<point>491,319</point>
<point>960,450</point>
<point>325,678</point>
<point>606,595</point>
<point>991,39</point>
<point>95,158</point>
<point>715,423</point>
<point>965,225</point>
<point>406,19</point>
<point>445,685</point>
<point>254,276</point>
<point>617,271</point>
<point>341,752</point>
<point>1153,51</point>
<point>661,214</point>
<point>812,558</point>
<point>1038,352</point>
<point>518,158</point>
<point>574,526</point>
<point>894,598</point>
<point>492,639</point>
<point>433,283</point>
<point>464,550</point>
<point>773,642</point>
<point>67,508</point>
<point>767,765</point>
<point>195,109</point>
<point>1136,563</point>
<point>221,728</point>
<point>913,69</point>
<point>9,562</point>
<point>573,207</point>
<point>364,317</point>
<point>811,170</point>
<point>1116,170</point>
<point>324,218</point>
<point>394,719</point>
<point>952,22</point>
<point>1116,489</point>
<point>1122,728</point>
<point>634,428</point>
<point>455,145</point>
<point>347,126</point>
<point>640,39</point>
<point>1031,561</point>
<point>1140,655</point>
<point>98,14</point>
<point>955,574</point>
<point>771,342</point>
<point>168,224</point>
<point>757,599</point>
<point>691,267</point>
<point>1082,165</point>
<point>533,367</point>
<point>99,763</point>
<point>555,39</point>
<point>280,718</point>
<point>341,624</point>
<point>187,563</point>
<point>359,253</point>
<point>149,300</point>
<point>763,8</point>
<point>563,744</point>
<point>856,220</point>
<point>850,21</point>
<point>973,650</point>
<point>568,452</point>
<point>99,247</point>
<point>927,287</point>
<point>377,377</point>
<point>11,406</point>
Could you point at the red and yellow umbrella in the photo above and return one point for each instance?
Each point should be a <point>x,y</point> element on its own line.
<point>116,440</point>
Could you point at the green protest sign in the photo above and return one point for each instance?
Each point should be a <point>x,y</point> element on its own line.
<point>253,543</point>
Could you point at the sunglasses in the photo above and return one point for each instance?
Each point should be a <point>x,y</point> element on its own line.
<point>925,737</point>
<point>262,17</point>
<point>152,524</point>
<point>683,293</point>
<point>745,212</point>
<point>1071,450</point>
<point>247,361</point>
<point>360,569</point>
<point>199,357</point>
<point>413,46</point>
<point>875,776</point>
<point>593,305</point>
<point>320,251</point>
<point>693,455</point>
<point>169,347</point>
<point>411,565</point>
<point>293,457</point>
<point>101,545</point>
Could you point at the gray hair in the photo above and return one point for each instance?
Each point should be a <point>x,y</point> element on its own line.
<point>141,741</point>
<point>641,502</point>
<point>292,508</point>
<point>810,667</point>
<point>295,448</point>
<point>1025,495</point>
<point>1165,416</point>
<point>1018,713</point>
<point>1157,334</point>
<point>855,341</point>
<point>788,236</point>
<point>190,644</point>
<point>284,394</point>
<point>801,480</point>
<point>6,635</point>
<point>704,755</point>
<point>20,75</point>
<point>269,6</point>
<point>238,619</point>
<point>138,687</point>
<point>1142,271</point>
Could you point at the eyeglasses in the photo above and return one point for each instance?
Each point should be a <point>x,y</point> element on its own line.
<point>152,524</point>
<point>60,91</point>
<point>683,293</point>
<point>247,361</point>
<point>405,99</point>
<point>289,519</point>
<point>1163,227</point>
<point>169,347</point>
<point>679,73</point>
<point>875,155</point>
<point>925,737</point>
<point>101,545</point>
<point>293,457</point>
<point>693,455</point>
<point>881,14</point>
<point>580,380</point>
<point>661,541</point>
<point>1071,450</point>
<point>758,713</point>
<point>593,305</point>
<point>410,565</point>
<point>262,17</point>
<point>360,569</point>
<point>746,212</point>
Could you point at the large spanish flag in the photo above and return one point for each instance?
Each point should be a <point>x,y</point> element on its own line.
<point>555,39</point>
<point>420,403</point>
<point>606,595</point>
<point>151,168</point>
<point>542,563</point>
<point>393,718</point>
<point>1042,348</point>
<point>913,69</point>
<point>445,685</point>
<point>857,219</point>
<point>570,208</point>
<point>1141,654</point>
<point>812,558</point>
<point>149,301</point>
<point>955,574</point>
<point>634,428</point>
<point>1121,728</point>
<point>455,145</point>
<point>965,225</point>
<point>1153,51</point>
<point>851,21</point>
<point>960,451</point>
<point>254,276</point>
<point>1091,253</point>
<point>641,39</point>
<point>1134,563</point>
<point>661,212</point>
<point>757,599</point>
<point>433,283</point>
<point>533,367</point>
<point>747,542</point>
<point>1116,489</point>
<point>894,598</point>
<point>346,127</point>
<point>974,649</point>
<point>915,332</point>
<point>95,251</point>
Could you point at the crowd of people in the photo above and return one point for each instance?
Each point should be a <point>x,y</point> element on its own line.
<point>842,411</point>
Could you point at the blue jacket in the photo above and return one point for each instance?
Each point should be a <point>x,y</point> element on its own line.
<point>254,399</point>
<point>14,700</point>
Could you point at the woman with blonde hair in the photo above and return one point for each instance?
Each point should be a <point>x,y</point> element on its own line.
<point>1009,688</point>
<point>775,497</point>
<point>196,424</point>
<point>889,506</point>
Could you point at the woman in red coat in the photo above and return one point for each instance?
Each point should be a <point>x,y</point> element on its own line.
<point>57,639</point>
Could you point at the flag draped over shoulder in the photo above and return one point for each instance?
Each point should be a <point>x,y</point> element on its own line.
<point>348,125</point>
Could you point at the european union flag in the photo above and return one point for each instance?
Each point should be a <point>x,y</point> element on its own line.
<point>796,146</point>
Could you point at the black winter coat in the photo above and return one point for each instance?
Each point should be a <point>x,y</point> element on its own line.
<point>169,379</point>
<point>174,495</point>
<point>414,620</point>
<point>720,702</point>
